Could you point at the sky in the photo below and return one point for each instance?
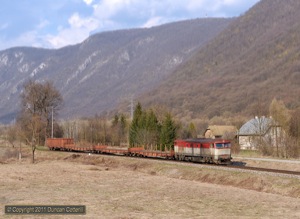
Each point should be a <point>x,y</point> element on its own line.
<point>58,23</point>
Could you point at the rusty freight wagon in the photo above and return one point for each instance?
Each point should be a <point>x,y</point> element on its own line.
<point>65,144</point>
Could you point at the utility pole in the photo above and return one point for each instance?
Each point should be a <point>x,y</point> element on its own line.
<point>52,124</point>
<point>131,108</point>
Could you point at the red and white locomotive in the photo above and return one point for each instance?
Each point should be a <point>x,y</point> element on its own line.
<point>203,150</point>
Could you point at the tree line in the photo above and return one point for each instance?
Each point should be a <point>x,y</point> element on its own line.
<point>146,130</point>
<point>150,128</point>
<point>41,101</point>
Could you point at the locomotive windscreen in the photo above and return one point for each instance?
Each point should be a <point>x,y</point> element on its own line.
<point>222,145</point>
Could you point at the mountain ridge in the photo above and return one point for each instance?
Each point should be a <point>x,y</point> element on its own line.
<point>255,59</point>
<point>97,74</point>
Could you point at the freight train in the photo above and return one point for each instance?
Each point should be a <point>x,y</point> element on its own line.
<point>200,150</point>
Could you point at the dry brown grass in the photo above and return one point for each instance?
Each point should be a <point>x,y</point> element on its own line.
<point>122,187</point>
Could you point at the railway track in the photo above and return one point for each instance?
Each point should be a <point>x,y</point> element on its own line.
<point>185,151</point>
<point>249,168</point>
<point>296,173</point>
<point>240,167</point>
<point>235,165</point>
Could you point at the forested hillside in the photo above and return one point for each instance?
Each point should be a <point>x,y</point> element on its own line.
<point>256,59</point>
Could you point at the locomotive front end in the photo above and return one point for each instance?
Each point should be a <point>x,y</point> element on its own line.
<point>223,152</point>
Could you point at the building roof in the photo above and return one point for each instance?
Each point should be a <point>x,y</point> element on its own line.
<point>256,126</point>
<point>220,130</point>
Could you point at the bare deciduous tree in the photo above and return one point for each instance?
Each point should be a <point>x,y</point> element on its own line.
<point>294,132</point>
<point>281,116</point>
<point>38,101</point>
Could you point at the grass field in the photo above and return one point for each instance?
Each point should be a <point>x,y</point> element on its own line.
<point>122,187</point>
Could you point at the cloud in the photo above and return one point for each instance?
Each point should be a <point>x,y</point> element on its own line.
<point>30,38</point>
<point>118,14</point>
<point>88,2</point>
<point>79,18</point>
<point>78,30</point>
<point>154,21</point>
<point>152,12</point>
<point>76,21</point>
<point>107,9</point>
<point>43,24</point>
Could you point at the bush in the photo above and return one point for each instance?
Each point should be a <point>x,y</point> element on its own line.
<point>9,153</point>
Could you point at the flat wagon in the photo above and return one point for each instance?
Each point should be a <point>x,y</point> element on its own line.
<point>66,144</point>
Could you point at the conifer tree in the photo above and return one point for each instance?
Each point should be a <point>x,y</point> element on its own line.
<point>123,125</point>
<point>168,132</point>
<point>153,128</point>
<point>134,127</point>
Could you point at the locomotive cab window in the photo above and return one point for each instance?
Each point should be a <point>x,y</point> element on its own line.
<point>227,145</point>
<point>219,145</point>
